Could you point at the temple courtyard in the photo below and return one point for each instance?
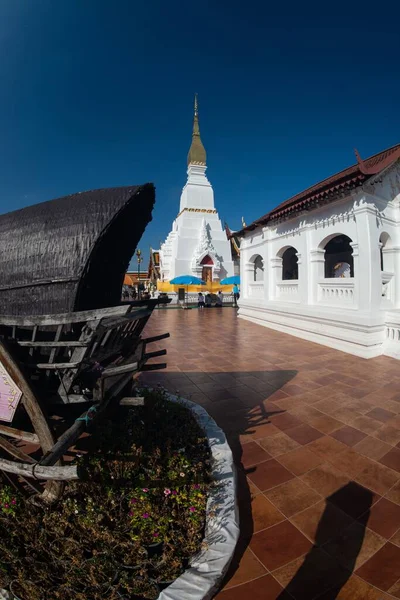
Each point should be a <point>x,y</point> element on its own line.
<point>316,438</point>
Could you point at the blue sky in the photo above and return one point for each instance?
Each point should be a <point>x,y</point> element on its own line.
<point>98,93</point>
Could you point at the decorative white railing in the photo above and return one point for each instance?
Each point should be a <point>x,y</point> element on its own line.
<point>288,290</point>
<point>336,292</point>
<point>392,334</point>
<point>255,290</point>
<point>192,298</point>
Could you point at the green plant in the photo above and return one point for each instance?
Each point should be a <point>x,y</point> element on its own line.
<point>146,480</point>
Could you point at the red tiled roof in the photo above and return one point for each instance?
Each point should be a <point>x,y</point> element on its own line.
<point>342,181</point>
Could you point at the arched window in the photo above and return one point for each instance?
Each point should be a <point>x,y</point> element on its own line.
<point>258,268</point>
<point>385,242</point>
<point>339,257</point>
<point>290,269</point>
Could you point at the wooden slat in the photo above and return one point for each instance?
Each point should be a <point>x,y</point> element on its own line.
<point>52,473</point>
<point>54,350</point>
<point>154,354</point>
<point>120,370</point>
<point>134,315</point>
<point>53,366</point>
<point>18,434</point>
<point>63,319</point>
<point>63,344</point>
<point>154,367</point>
<point>15,451</point>
<point>156,338</point>
<point>134,401</point>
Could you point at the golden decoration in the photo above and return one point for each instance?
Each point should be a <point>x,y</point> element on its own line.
<point>197,154</point>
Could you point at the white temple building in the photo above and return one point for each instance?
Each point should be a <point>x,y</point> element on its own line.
<point>198,243</point>
<point>325,265</point>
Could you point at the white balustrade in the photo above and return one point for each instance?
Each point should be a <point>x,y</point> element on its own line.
<point>255,290</point>
<point>392,334</point>
<point>288,291</point>
<point>336,292</point>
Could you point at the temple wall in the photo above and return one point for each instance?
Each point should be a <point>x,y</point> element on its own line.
<point>298,291</point>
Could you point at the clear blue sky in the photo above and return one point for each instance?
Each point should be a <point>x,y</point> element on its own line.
<point>98,93</point>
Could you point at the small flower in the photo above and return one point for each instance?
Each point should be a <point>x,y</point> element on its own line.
<point>174,493</point>
<point>182,474</point>
<point>145,515</point>
<point>196,486</point>
<point>133,500</point>
<point>6,505</point>
<point>167,492</point>
<point>145,490</point>
<point>155,534</point>
<point>192,509</point>
<point>131,514</point>
<point>13,501</point>
<point>76,511</point>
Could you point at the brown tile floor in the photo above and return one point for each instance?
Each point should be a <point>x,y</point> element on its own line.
<point>316,437</point>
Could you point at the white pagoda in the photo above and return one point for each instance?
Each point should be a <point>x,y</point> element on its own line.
<point>198,243</point>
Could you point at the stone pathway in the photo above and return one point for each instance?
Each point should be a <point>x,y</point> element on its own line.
<point>316,436</point>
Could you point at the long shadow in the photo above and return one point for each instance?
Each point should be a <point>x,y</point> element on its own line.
<point>329,571</point>
<point>239,417</point>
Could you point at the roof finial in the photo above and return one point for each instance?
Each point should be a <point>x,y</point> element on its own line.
<point>197,153</point>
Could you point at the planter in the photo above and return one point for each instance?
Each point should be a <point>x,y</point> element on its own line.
<point>207,569</point>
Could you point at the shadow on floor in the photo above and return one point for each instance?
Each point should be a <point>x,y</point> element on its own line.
<point>239,416</point>
<point>322,571</point>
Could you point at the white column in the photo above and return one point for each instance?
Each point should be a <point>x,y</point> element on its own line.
<point>317,272</point>
<point>247,279</point>
<point>302,281</point>
<point>276,277</point>
<point>357,273</point>
<point>367,260</point>
<point>393,254</point>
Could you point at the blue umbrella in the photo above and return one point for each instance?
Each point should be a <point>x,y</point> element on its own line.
<point>187,280</point>
<point>234,280</point>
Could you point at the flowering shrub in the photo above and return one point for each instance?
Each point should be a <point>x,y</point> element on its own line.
<point>128,527</point>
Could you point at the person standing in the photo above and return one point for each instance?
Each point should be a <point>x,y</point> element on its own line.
<point>220,299</point>
<point>236,294</point>
<point>200,300</point>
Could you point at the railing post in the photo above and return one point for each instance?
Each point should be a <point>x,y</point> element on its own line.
<point>276,277</point>
<point>317,273</point>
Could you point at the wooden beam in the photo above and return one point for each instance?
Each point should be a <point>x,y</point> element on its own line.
<point>36,471</point>
<point>15,451</point>
<point>154,354</point>
<point>18,434</point>
<point>135,401</point>
<point>154,367</point>
<point>156,338</point>
<point>53,366</point>
<point>120,370</point>
<point>33,408</point>
<point>63,319</point>
<point>62,344</point>
<point>69,437</point>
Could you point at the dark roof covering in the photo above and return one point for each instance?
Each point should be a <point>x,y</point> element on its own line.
<point>72,253</point>
<point>329,188</point>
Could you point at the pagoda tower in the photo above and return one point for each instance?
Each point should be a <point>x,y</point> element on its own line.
<point>197,244</point>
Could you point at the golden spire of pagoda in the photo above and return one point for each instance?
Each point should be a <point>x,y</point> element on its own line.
<point>197,153</point>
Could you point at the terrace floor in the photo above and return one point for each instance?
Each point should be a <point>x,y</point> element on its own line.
<point>316,436</point>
